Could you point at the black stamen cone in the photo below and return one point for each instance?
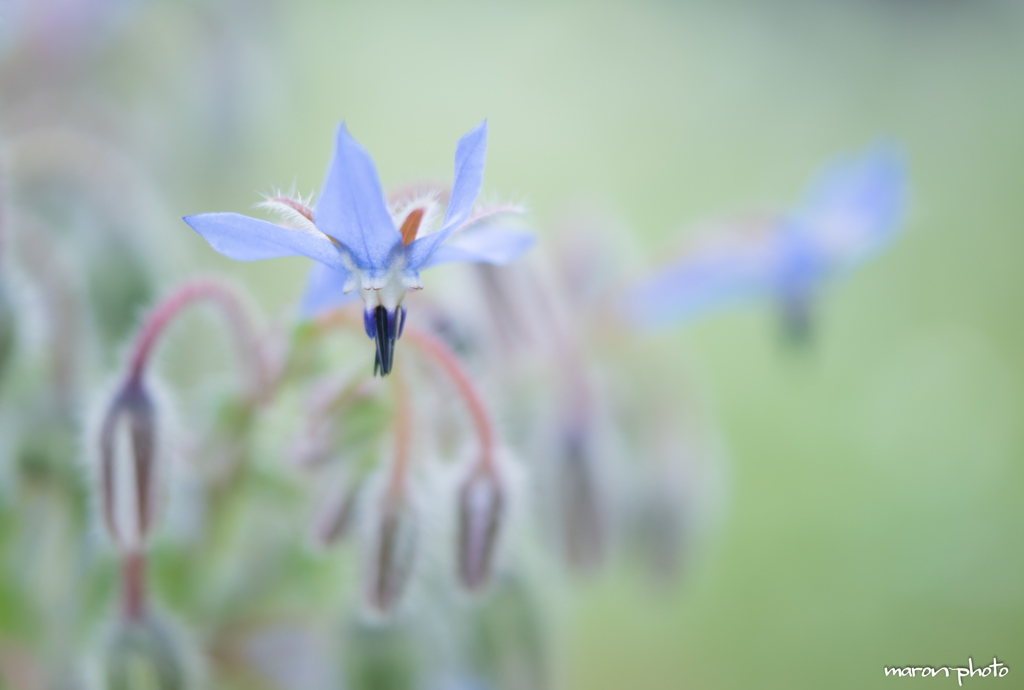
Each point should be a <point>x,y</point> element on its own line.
<point>385,342</point>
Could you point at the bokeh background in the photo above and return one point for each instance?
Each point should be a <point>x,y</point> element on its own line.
<point>871,512</point>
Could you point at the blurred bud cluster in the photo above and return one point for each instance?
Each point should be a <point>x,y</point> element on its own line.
<point>236,499</point>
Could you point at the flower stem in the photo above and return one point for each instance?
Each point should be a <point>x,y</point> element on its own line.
<point>403,437</point>
<point>443,356</point>
<point>446,359</point>
<point>133,585</point>
<point>185,295</point>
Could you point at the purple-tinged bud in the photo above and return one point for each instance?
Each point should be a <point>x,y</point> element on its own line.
<point>128,459</point>
<point>145,654</point>
<point>481,508</point>
<point>391,553</point>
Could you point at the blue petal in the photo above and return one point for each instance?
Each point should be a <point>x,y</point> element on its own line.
<point>490,245</point>
<point>247,239</point>
<point>351,206</point>
<point>325,289</point>
<point>701,282</point>
<point>855,208</point>
<point>469,176</point>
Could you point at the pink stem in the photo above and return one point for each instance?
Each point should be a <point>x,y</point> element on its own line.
<point>441,354</point>
<point>437,350</point>
<point>403,437</point>
<point>185,295</point>
<point>133,585</point>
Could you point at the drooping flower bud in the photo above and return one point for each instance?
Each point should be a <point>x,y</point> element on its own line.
<point>391,551</point>
<point>144,654</point>
<point>128,465</point>
<point>481,507</point>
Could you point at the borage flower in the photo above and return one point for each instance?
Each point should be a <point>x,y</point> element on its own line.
<point>850,212</point>
<point>360,245</point>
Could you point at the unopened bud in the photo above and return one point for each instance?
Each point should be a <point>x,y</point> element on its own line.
<point>391,553</point>
<point>481,506</point>
<point>128,444</point>
<point>144,654</point>
<point>584,532</point>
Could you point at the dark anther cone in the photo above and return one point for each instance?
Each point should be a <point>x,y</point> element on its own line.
<point>385,342</point>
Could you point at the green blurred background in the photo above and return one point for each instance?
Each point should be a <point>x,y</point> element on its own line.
<point>873,511</point>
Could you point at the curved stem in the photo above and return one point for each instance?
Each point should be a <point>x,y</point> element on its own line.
<point>446,359</point>
<point>443,356</point>
<point>133,585</point>
<point>403,438</point>
<point>182,297</point>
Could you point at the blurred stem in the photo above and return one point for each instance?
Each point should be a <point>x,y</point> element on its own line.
<point>435,349</point>
<point>403,437</point>
<point>234,314</point>
<point>133,585</point>
<point>449,363</point>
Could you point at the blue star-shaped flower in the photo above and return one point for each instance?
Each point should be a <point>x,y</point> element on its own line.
<point>360,246</point>
<point>851,211</point>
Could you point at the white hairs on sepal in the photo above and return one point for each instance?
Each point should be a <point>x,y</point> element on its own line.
<point>291,208</point>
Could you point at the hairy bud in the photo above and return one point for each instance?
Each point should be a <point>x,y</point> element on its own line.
<point>128,445</point>
<point>144,654</point>
<point>481,506</point>
<point>392,552</point>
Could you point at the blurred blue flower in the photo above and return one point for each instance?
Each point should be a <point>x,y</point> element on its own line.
<point>851,211</point>
<point>361,246</point>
